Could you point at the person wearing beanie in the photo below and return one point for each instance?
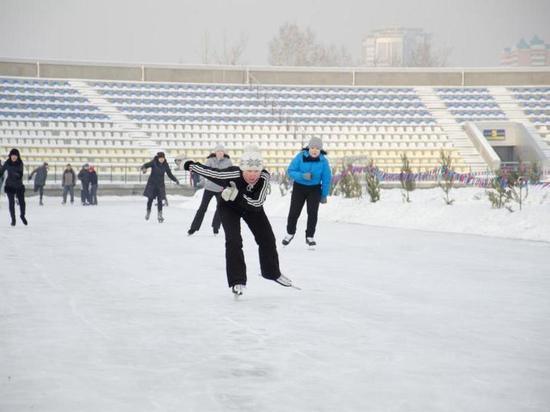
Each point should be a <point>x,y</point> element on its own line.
<point>155,187</point>
<point>14,186</point>
<point>41,173</point>
<point>68,181</point>
<point>84,177</point>
<point>218,159</point>
<point>245,188</point>
<point>311,173</point>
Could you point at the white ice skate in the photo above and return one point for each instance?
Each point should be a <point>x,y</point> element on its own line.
<point>311,243</point>
<point>287,239</point>
<point>238,290</point>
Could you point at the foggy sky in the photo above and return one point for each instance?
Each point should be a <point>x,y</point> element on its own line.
<point>170,31</point>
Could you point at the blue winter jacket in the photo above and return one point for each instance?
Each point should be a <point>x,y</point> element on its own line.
<point>318,167</point>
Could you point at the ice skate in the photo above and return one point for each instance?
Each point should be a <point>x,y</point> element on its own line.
<point>311,243</point>
<point>238,290</point>
<point>287,239</point>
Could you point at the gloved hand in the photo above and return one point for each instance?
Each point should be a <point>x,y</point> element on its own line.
<point>30,178</point>
<point>178,182</point>
<point>188,164</point>
<point>323,200</point>
<point>306,176</point>
<point>143,170</point>
<point>230,193</point>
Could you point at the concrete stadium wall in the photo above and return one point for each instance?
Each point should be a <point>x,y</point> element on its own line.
<point>281,75</point>
<point>74,71</point>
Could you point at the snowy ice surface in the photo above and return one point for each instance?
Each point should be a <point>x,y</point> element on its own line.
<point>103,311</point>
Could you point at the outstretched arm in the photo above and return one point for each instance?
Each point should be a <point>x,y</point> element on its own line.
<point>219,176</point>
<point>170,175</point>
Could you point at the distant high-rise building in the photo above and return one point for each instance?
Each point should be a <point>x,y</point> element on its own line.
<point>392,46</point>
<point>534,53</point>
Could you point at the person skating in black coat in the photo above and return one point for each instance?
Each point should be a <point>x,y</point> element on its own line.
<point>14,186</point>
<point>41,173</point>
<point>243,196</point>
<point>155,184</point>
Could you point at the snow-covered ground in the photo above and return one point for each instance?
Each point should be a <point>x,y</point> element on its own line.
<point>102,311</point>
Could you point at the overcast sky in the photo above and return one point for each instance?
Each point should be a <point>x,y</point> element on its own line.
<point>171,31</point>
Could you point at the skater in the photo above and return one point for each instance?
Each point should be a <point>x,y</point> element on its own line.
<point>93,186</point>
<point>68,181</point>
<point>14,186</point>
<point>84,177</point>
<point>310,170</point>
<point>217,160</point>
<point>1,177</point>
<point>40,180</point>
<point>243,196</point>
<point>155,184</point>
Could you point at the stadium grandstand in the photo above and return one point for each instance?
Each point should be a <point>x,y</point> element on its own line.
<point>117,116</point>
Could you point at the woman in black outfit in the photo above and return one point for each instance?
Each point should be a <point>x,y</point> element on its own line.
<point>14,186</point>
<point>155,184</point>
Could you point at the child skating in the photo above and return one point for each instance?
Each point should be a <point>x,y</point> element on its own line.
<point>310,171</point>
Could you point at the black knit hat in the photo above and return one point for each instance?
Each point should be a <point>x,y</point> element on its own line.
<point>161,154</point>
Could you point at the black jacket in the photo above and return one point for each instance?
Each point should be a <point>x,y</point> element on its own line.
<point>155,183</point>
<point>84,177</point>
<point>250,198</point>
<point>14,181</point>
<point>41,175</point>
<point>93,178</point>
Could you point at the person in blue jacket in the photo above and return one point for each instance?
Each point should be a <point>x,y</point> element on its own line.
<point>310,171</point>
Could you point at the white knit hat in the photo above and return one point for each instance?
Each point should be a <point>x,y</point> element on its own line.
<point>219,148</point>
<point>251,159</point>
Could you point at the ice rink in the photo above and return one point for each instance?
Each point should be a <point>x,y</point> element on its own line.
<point>103,311</point>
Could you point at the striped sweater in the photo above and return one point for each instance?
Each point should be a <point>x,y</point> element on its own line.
<point>250,197</point>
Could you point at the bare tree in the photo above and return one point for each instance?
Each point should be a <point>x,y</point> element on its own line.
<point>426,55</point>
<point>229,53</point>
<point>205,48</point>
<point>294,46</point>
<point>233,52</point>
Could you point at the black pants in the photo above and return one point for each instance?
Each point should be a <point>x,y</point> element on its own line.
<point>93,194</point>
<point>263,234</point>
<point>20,194</point>
<point>300,195</point>
<point>199,216</point>
<point>85,193</point>
<point>156,194</point>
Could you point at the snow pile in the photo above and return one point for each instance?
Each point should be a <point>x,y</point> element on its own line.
<point>471,213</point>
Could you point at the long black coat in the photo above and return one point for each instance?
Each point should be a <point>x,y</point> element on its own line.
<point>155,183</point>
<point>14,181</point>
<point>41,176</point>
